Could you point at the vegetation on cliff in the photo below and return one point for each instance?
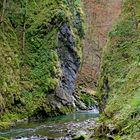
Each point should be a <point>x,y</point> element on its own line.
<point>119,82</point>
<point>29,61</point>
<point>40,53</point>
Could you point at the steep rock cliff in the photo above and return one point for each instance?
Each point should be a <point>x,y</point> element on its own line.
<point>99,17</point>
<point>40,43</point>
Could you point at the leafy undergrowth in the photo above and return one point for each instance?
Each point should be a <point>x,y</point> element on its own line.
<point>88,99</point>
<point>121,66</point>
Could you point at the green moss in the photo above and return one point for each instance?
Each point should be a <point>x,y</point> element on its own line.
<point>3,138</point>
<point>120,63</point>
<point>29,63</point>
<point>8,119</point>
<point>9,66</point>
<point>79,137</point>
<point>5,125</point>
<point>66,109</point>
<point>87,99</point>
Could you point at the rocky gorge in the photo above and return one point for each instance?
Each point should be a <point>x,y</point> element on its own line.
<point>42,61</point>
<point>69,69</point>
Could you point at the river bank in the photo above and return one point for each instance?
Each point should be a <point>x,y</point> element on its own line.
<point>60,127</point>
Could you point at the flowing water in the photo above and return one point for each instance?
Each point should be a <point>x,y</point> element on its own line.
<point>52,127</point>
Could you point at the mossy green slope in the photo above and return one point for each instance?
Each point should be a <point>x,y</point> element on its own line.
<point>121,66</point>
<point>29,63</point>
<point>9,67</point>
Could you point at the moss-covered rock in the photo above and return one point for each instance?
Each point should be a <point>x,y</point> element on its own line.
<point>2,138</point>
<point>79,135</point>
<point>88,99</point>
<point>120,67</point>
<point>40,47</point>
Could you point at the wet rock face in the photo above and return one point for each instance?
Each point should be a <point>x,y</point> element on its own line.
<point>65,35</point>
<point>69,63</point>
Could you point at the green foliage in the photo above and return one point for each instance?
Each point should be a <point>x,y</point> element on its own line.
<point>29,63</point>
<point>5,125</point>
<point>10,117</point>
<point>79,137</point>
<point>87,99</point>
<point>65,109</point>
<point>123,28</point>
<point>2,138</point>
<point>9,65</point>
<point>120,63</point>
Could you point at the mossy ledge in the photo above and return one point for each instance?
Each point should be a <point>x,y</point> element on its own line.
<point>119,82</point>
<point>40,45</point>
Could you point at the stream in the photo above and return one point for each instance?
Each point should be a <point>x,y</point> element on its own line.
<point>54,127</point>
